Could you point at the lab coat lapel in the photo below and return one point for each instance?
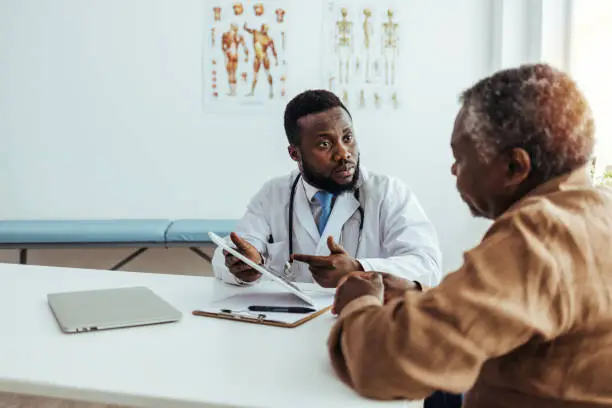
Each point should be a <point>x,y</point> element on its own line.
<point>303,214</point>
<point>344,207</point>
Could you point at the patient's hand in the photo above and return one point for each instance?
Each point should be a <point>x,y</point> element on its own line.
<point>355,285</point>
<point>395,286</point>
<point>238,268</point>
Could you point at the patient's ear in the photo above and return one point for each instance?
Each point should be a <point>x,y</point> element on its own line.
<point>519,167</point>
<point>294,153</point>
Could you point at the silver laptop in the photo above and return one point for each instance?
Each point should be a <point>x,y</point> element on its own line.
<point>110,309</point>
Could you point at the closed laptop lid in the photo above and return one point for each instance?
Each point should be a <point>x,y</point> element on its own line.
<point>110,308</point>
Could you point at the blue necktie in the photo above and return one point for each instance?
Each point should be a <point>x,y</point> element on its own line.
<point>325,199</point>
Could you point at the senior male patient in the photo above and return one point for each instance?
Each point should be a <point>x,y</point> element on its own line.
<point>527,320</point>
<point>331,215</point>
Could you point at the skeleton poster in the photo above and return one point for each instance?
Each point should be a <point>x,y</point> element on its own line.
<point>244,60</point>
<point>361,48</point>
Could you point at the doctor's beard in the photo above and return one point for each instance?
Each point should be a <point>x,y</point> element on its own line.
<point>326,183</point>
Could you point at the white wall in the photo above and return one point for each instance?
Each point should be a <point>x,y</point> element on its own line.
<point>592,32</point>
<point>81,81</point>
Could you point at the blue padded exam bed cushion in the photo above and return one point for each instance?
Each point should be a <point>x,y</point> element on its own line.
<point>196,230</point>
<point>83,231</point>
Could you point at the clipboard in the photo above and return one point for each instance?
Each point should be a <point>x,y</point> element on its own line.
<point>260,320</point>
<point>235,307</point>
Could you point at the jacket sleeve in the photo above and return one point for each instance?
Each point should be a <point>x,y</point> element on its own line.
<point>509,290</point>
<point>409,239</point>
<point>254,227</point>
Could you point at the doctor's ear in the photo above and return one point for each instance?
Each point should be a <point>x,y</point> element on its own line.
<point>294,153</point>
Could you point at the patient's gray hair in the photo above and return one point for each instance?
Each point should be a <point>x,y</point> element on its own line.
<point>536,108</point>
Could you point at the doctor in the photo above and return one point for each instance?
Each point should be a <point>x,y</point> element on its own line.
<point>331,216</point>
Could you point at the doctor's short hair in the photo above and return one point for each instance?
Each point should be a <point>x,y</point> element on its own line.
<point>307,103</point>
<point>534,107</point>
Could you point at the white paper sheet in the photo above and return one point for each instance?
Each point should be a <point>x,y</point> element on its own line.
<point>239,303</point>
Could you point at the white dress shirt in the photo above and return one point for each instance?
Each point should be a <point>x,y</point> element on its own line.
<point>315,205</point>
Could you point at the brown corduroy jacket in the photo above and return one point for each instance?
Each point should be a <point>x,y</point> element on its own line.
<point>526,322</point>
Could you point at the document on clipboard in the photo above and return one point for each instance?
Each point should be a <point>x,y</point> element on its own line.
<point>236,307</point>
<point>289,286</point>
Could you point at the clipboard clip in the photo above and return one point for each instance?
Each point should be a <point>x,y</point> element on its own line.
<point>243,314</point>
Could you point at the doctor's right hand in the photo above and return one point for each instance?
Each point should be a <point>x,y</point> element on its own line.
<point>239,269</point>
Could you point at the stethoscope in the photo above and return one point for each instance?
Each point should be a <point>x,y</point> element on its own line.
<point>292,199</point>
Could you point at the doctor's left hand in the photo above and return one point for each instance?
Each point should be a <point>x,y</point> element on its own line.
<point>328,270</point>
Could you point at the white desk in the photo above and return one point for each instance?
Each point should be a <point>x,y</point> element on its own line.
<point>198,362</point>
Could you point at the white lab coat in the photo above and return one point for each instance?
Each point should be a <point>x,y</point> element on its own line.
<point>397,237</point>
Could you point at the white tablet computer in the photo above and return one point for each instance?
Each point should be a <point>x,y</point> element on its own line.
<point>281,281</point>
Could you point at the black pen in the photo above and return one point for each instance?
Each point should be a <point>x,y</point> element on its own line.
<point>281,309</point>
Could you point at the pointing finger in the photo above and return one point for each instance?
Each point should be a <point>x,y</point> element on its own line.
<point>312,260</point>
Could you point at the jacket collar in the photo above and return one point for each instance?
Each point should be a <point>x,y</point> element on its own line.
<point>574,180</point>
